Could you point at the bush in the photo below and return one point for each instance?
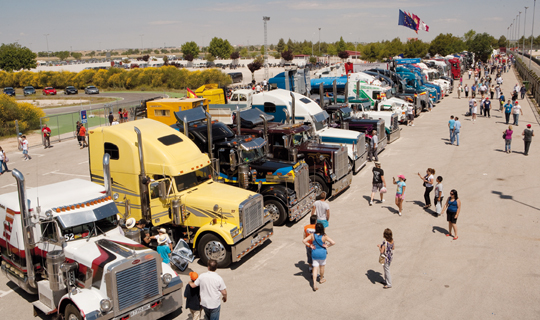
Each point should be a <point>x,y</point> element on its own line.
<point>27,114</point>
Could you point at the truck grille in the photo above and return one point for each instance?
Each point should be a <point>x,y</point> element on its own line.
<point>341,162</point>
<point>301,181</point>
<point>381,130</point>
<point>361,144</point>
<point>137,284</point>
<point>395,123</point>
<point>252,215</point>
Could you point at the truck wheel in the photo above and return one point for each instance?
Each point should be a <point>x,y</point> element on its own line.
<point>213,247</point>
<point>277,211</point>
<point>72,313</point>
<point>318,183</point>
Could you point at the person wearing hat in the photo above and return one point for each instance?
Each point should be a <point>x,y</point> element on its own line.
<point>487,108</point>
<point>46,136</point>
<point>400,192</point>
<point>527,138</point>
<point>516,111</point>
<point>378,182</point>
<point>163,249</point>
<point>161,231</point>
<point>193,298</point>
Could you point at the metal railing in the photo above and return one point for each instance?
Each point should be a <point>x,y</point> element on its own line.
<point>534,82</point>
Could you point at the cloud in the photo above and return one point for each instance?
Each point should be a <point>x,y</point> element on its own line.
<point>448,20</point>
<point>162,22</point>
<point>493,19</point>
<point>22,34</point>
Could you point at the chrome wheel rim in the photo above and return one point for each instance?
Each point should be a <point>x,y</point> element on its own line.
<point>214,250</point>
<point>274,211</point>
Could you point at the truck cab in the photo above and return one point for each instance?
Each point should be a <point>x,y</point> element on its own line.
<point>161,176</point>
<point>292,79</point>
<point>242,161</point>
<point>329,168</point>
<point>65,243</point>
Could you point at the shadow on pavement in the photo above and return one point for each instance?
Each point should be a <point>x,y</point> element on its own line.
<point>304,270</point>
<point>418,203</point>
<point>374,276</point>
<point>439,229</point>
<point>391,209</point>
<point>368,198</point>
<point>510,197</point>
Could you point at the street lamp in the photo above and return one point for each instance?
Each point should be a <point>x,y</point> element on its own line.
<point>519,29</point>
<point>532,34</point>
<point>265,19</point>
<point>47,39</point>
<point>524,25</point>
<point>320,40</point>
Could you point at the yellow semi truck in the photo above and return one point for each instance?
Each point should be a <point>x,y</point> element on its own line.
<point>161,176</point>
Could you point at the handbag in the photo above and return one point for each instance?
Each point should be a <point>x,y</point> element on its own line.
<point>383,190</point>
<point>504,135</point>
<point>382,256</point>
<point>438,208</point>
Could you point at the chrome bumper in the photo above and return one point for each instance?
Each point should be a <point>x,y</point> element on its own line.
<point>258,237</point>
<point>394,135</point>
<point>342,183</point>
<point>360,162</point>
<point>303,207</point>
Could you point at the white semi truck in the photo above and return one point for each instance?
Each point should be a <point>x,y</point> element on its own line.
<point>62,242</point>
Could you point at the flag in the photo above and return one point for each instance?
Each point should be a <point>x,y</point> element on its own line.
<point>406,21</point>
<point>425,27</point>
<point>191,94</point>
<point>416,20</point>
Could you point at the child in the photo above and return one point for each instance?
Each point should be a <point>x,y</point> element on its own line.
<point>439,196</point>
<point>308,230</point>
<point>25,149</point>
<point>163,248</point>
<point>193,298</point>
<point>400,192</point>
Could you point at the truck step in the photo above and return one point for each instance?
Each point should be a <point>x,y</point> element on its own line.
<point>43,308</point>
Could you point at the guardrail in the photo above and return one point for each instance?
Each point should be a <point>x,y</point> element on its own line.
<point>530,76</point>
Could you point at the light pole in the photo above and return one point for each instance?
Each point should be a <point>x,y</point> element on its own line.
<point>524,25</point>
<point>519,29</point>
<point>320,40</point>
<point>532,34</point>
<point>266,19</point>
<point>142,47</point>
<point>47,39</point>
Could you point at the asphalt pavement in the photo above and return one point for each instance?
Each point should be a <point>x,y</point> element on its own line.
<point>490,272</point>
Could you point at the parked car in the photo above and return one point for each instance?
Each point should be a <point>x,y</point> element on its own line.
<point>49,91</point>
<point>28,90</point>
<point>71,90</point>
<point>9,91</point>
<point>91,90</point>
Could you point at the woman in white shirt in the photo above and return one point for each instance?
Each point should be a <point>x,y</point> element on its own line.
<point>428,181</point>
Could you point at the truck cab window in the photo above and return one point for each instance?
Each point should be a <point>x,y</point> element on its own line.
<point>112,150</point>
<point>49,231</point>
<point>269,107</point>
<point>193,179</point>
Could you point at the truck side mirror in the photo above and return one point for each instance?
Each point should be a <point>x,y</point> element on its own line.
<point>232,159</point>
<point>286,141</point>
<point>162,189</point>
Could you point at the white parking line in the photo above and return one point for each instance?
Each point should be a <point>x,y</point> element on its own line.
<point>5,293</point>
<point>10,185</point>
<point>83,162</point>
<point>65,174</point>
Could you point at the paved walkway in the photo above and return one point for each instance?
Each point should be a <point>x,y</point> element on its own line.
<point>490,272</point>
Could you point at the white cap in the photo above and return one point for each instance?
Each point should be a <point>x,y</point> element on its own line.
<point>130,223</point>
<point>162,238</point>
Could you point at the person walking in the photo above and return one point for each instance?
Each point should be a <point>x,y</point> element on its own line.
<point>193,298</point>
<point>452,207</point>
<point>527,134</point>
<point>212,287</point>
<point>473,111</point>
<point>497,91</point>
<point>387,249</point>
<point>25,149</point>
<point>410,115</point>
<point>523,91</point>
<point>466,89</point>
<point>163,248</point>
<point>82,136</point>
<point>460,80</point>
<point>514,96</point>
<point>46,136</point>
<point>428,180</point>
<point>508,110</point>
<point>400,191</point>
<point>473,91</point>
<point>492,91</point>
<point>309,230</point>
<point>378,182</point>
<point>470,74</point>
<point>487,108</point>
<point>5,160</point>
<point>373,145</point>
<point>507,135</point>
<point>2,159</point>
<point>319,243</point>
<point>439,196</point>
<point>451,123</point>
<point>321,209</point>
<point>78,129</point>
<point>457,130</point>
<point>501,101</point>
<point>459,90</point>
<point>111,118</point>
<point>516,111</point>
<point>126,115</point>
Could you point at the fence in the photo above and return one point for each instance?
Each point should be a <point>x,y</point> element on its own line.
<point>534,82</point>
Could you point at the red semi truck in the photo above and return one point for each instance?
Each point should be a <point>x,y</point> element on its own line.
<point>456,68</point>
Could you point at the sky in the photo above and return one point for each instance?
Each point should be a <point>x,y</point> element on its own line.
<point>99,25</point>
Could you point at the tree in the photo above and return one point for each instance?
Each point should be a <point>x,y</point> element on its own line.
<point>262,50</point>
<point>271,47</point>
<point>190,50</point>
<point>291,45</point>
<point>76,55</point>
<point>280,46</point>
<point>312,60</point>
<point>156,51</point>
<point>13,57</point>
<point>164,51</point>
<point>287,55</point>
<point>220,48</point>
<point>209,57</point>
<point>502,42</point>
<point>371,52</point>
<point>165,60</point>
<point>480,45</point>
<point>235,55</point>
<point>254,66</point>
<point>244,52</point>
<point>91,54</point>
<point>331,50</point>
<point>416,49</point>
<point>145,58</point>
<point>469,35</point>
<point>62,55</point>
<point>188,57</point>
<point>341,45</point>
<point>343,55</point>
<point>445,44</point>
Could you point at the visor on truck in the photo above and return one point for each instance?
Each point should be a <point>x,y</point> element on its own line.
<point>78,217</point>
<point>253,144</point>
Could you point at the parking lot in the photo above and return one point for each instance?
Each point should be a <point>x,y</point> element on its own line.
<point>489,272</point>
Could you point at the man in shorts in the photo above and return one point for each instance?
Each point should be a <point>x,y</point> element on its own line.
<point>410,115</point>
<point>378,182</point>
<point>309,230</point>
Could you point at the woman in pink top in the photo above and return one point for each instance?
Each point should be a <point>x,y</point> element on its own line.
<point>507,134</point>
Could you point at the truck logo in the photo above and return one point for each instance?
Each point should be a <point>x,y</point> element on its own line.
<point>136,261</point>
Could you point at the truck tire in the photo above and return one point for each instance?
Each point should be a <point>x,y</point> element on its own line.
<point>277,211</point>
<point>320,185</point>
<point>72,313</point>
<point>212,247</point>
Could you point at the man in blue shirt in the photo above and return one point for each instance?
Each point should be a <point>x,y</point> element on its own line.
<point>457,129</point>
<point>508,110</point>
<point>501,100</point>
<point>487,108</point>
<point>451,126</point>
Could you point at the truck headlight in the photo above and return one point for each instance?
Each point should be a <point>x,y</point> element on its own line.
<point>105,305</point>
<point>234,232</point>
<point>166,278</point>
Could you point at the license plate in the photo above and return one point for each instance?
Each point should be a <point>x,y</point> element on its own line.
<point>256,239</point>
<point>139,310</point>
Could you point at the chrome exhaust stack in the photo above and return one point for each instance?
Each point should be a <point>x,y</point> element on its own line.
<point>238,121</point>
<point>265,133</point>
<point>107,181</point>
<point>293,108</point>
<point>287,115</point>
<point>143,179</point>
<point>209,133</point>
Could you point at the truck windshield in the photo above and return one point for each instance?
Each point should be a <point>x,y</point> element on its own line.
<point>192,179</point>
<point>91,228</point>
<point>252,155</point>
<point>300,137</point>
<point>320,120</point>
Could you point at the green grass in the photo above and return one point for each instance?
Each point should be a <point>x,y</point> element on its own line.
<point>66,123</point>
<point>170,94</point>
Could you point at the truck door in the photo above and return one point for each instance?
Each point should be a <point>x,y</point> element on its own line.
<point>159,204</point>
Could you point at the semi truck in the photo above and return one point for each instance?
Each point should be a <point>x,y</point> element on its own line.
<point>292,79</point>
<point>242,161</point>
<point>329,168</point>
<point>161,176</point>
<point>63,243</point>
<point>301,109</point>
